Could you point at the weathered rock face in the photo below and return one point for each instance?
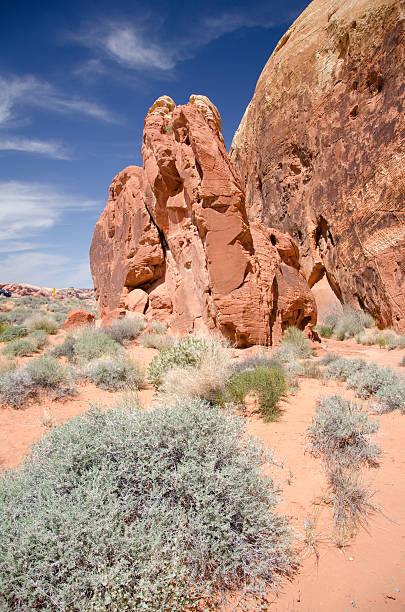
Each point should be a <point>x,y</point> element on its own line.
<point>321,149</point>
<point>174,241</point>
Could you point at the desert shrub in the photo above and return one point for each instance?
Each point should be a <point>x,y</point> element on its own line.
<point>3,327</point>
<point>18,315</point>
<point>184,353</point>
<point>333,316</point>
<point>42,321</point>
<point>13,333</point>
<point>92,343</point>
<point>16,386</point>
<point>268,383</point>
<point>294,344</point>
<point>19,348</point>
<point>67,349</point>
<point>39,338</point>
<point>311,369</point>
<point>352,322</point>
<point>159,327</point>
<point>47,373</point>
<point>250,363</point>
<point>328,358</point>
<point>157,341</point>
<point>114,373</point>
<point>325,331</point>
<point>340,433</point>
<point>147,511</point>
<point>351,502</point>
<point>391,396</point>
<point>206,381</point>
<point>343,368</point>
<point>402,362</point>
<point>123,330</point>
<point>370,378</point>
<point>59,317</point>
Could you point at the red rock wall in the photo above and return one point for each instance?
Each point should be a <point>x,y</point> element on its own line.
<point>174,240</point>
<point>321,153</point>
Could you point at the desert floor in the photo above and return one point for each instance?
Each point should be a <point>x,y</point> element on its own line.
<point>368,573</point>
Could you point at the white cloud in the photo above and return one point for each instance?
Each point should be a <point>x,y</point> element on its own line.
<point>51,149</point>
<point>29,208</point>
<point>17,92</point>
<point>128,46</point>
<point>45,270</point>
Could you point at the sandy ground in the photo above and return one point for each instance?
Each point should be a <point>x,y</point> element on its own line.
<point>369,573</point>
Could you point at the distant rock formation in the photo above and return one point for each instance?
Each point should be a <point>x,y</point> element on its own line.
<point>321,150</point>
<point>174,241</point>
<point>21,289</point>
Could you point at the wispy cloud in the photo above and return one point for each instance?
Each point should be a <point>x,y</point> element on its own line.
<point>26,209</point>
<point>17,92</point>
<point>145,47</point>
<point>51,149</point>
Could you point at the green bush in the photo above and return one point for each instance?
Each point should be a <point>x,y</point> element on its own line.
<point>268,383</point>
<point>352,322</point>
<point>42,321</point>
<point>328,358</point>
<point>123,330</point>
<point>370,378</point>
<point>391,396</point>
<point>343,368</point>
<point>294,345</point>
<point>340,432</point>
<point>325,331</point>
<point>311,369</point>
<point>16,387</point>
<point>13,333</point>
<point>93,343</point>
<point>47,373</point>
<point>187,352</point>
<point>114,373</point>
<point>19,348</point>
<point>3,327</point>
<point>149,511</point>
<point>157,340</point>
<point>39,338</point>
<point>158,327</point>
<point>67,349</point>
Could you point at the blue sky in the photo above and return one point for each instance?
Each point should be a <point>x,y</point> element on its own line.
<point>76,80</point>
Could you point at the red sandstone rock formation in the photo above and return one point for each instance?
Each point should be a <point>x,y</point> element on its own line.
<point>174,241</point>
<point>77,318</point>
<point>21,289</point>
<point>321,149</point>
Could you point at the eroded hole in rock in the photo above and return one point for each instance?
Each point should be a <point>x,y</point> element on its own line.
<point>273,240</point>
<point>325,297</point>
<point>323,232</point>
<point>199,169</point>
<point>375,82</point>
<point>354,112</point>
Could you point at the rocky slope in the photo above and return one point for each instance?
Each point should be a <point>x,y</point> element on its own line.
<point>21,289</point>
<point>174,241</point>
<point>321,149</point>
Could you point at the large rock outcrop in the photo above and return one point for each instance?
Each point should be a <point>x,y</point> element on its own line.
<point>174,241</point>
<point>321,149</point>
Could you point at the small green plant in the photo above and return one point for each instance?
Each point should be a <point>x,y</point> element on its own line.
<point>352,322</point>
<point>293,345</point>
<point>126,329</point>
<point>42,321</point>
<point>328,358</point>
<point>325,331</point>
<point>157,340</point>
<point>340,433</point>
<point>114,373</point>
<point>311,369</point>
<point>187,352</point>
<point>169,129</point>
<point>343,368</point>
<point>141,510</point>
<point>38,338</point>
<point>268,383</point>
<point>48,374</point>
<point>368,380</point>
<point>19,348</point>
<point>159,327</point>
<point>351,502</point>
<point>13,333</point>
<point>93,343</point>
<point>66,349</point>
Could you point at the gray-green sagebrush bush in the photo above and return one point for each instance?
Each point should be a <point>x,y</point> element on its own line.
<point>114,373</point>
<point>183,353</point>
<point>150,511</point>
<point>340,432</point>
<point>126,329</point>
